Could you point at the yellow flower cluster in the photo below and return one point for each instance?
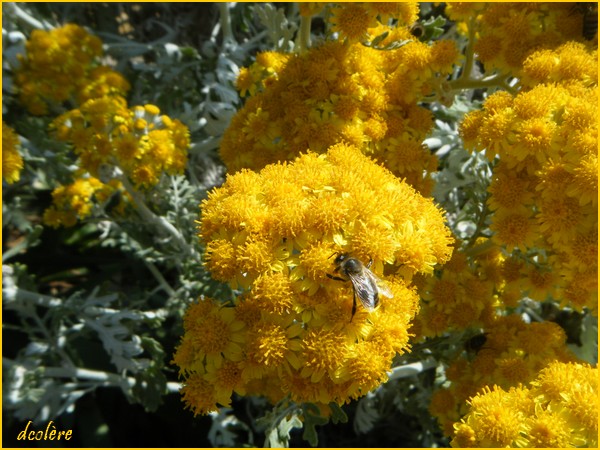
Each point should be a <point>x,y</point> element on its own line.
<point>140,141</point>
<point>544,193</point>
<point>464,295</point>
<point>507,33</point>
<point>62,65</point>
<point>477,283</point>
<point>558,410</point>
<point>76,201</point>
<point>12,162</point>
<point>342,91</point>
<point>275,235</point>
<point>353,21</point>
<point>510,352</point>
<point>108,137</point>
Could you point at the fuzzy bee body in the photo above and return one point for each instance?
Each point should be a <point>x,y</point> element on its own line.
<point>366,285</point>
<point>475,343</point>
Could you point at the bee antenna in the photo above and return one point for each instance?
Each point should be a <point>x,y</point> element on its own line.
<point>333,254</point>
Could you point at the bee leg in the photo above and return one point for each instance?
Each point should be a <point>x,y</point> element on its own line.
<point>353,306</point>
<point>333,277</point>
<point>370,264</point>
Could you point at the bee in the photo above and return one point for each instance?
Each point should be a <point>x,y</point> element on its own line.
<point>589,12</point>
<point>417,30</point>
<point>475,343</point>
<point>366,285</point>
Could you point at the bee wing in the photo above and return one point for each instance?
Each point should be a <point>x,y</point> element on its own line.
<point>382,286</point>
<point>365,289</point>
<point>384,289</point>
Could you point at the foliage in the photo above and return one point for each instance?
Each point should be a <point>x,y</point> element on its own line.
<point>177,179</point>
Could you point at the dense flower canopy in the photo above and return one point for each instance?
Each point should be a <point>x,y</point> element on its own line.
<point>544,193</point>
<point>559,410</point>
<point>318,268</point>
<point>63,65</point>
<point>273,234</point>
<point>344,90</point>
<point>111,140</point>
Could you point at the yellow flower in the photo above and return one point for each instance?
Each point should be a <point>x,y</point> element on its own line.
<point>225,379</point>
<point>365,367</point>
<point>200,395</point>
<point>406,12</point>
<point>143,143</point>
<point>279,247</point>
<point>508,35</point>
<point>12,162</point>
<point>61,64</point>
<point>514,228</point>
<point>246,82</point>
<point>463,11</point>
<point>512,353</point>
<point>464,436</point>
<point>584,186</point>
<point>510,189</point>
<point>308,9</point>
<point>585,248</point>
<point>351,21</point>
<point>322,353</point>
<point>444,54</point>
<point>560,409</point>
<point>548,430</point>
<point>270,347</point>
<point>540,284</point>
<point>558,218</point>
<point>340,92</point>
<point>496,419</point>
<point>571,61</point>
<point>213,333</point>
<point>77,201</point>
<point>102,81</point>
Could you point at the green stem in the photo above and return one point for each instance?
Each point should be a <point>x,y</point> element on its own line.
<point>26,18</point>
<point>86,375</point>
<point>159,221</point>
<point>469,52</point>
<point>161,280</point>
<point>225,19</point>
<point>23,296</point>
<point>481,248</point>
<point>465,82</point>
<point>498,80</point>
<point>304,34</point>
<point>480,222</point>
<point>409,370</point>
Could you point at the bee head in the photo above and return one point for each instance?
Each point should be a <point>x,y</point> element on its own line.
<point>340,258</point>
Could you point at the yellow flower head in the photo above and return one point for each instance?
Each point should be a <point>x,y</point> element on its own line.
<point>141,141</point>
<point>276,235</point>
<point>308,9</point>
<point>62,64</point>
<point>351,21</point>
<point>463,11</point>
<point>340,92</point>
<point>508,34</point>
<point>496,418</point>
<point>545,188</point>
<point>510,352</point>
<point>12,162</point>
<point>405,12</point>
<point>560,410</point>
<point>570,62</point>
<point>77,201</point>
